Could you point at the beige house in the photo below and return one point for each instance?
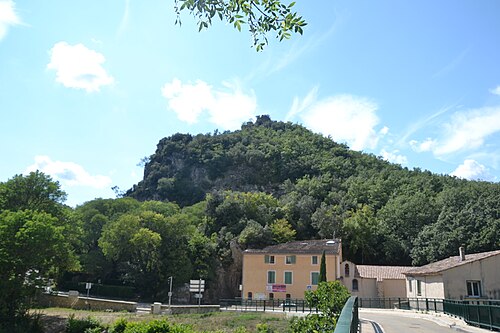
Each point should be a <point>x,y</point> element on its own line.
<point>288,270</point>
<point>465,277</point>
<point>367,281</point>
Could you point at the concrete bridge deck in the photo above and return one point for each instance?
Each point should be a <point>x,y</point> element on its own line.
<point>399,321</point>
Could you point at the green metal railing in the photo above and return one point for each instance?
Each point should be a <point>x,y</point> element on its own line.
<point>481,313</point>
<point>419,304</point>
<point>285,305</point>
<point>348,321</point>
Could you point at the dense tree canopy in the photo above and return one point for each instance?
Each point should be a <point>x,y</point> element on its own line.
<point>270,171</point>
<point>35,241</point>
<point>205,198</point>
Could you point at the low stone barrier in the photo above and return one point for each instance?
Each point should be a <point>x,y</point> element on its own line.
<point>74,301</point>
<point>184,309</point>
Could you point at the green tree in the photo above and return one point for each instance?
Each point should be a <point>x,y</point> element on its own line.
<point>322,269</point>
<point>147,248</point>
<point>33,248</point>
<point>35,191</point>
<point>361,233</point>
<point>261,16</point>
<point>282,231</point>
<point>329,298</point>
<point>255,236</point>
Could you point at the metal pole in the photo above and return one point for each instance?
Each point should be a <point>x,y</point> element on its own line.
<point>170,292</point>
<point>199,293</point>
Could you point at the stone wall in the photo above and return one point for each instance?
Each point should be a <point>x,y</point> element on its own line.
<point>84,303</point>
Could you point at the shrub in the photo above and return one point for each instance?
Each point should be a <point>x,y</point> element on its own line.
<point>119,326</point>
<point>264,328</point>
<point>86,325</point>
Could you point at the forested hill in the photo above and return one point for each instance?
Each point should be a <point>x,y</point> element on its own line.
<point>259,157</point>
<point>385,214</point>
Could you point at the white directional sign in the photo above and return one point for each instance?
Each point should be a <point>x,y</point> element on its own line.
<point>196,286</point>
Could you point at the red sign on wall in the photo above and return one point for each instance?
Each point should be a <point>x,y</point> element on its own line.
<point>279,288</point>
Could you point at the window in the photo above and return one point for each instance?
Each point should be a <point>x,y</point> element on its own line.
<point>346,270</point>
<point>314,278</point>
<point>250,295</point>
<point>288,278</point>
<point>354,285</point>
<point>268,259</point>
<point>288,296</point>
<point>419,288</point>
<point>410,286</point>
<point>474,288</point>
<point>271,277</point>
<point>314,260</point>
<point>271,295</point>
<point>290,260</point>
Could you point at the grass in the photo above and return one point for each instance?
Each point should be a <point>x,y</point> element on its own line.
<point>55,319</point>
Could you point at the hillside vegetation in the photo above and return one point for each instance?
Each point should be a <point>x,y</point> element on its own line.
<point>205,198</point>
<point>384,213</point>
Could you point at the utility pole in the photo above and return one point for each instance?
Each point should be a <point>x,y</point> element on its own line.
<point>170,292</point>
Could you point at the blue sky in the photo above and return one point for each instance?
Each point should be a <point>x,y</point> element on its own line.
<point>88,88</point>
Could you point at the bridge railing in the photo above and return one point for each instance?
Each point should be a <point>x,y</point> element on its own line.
<point>481,313</point>
<point>348,321</point>
<point>285,305</point>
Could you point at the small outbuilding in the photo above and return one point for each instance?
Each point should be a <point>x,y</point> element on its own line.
<point>464,277</point>
<point>369,281</point>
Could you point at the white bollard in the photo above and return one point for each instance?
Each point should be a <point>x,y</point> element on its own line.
<point>157,308</point>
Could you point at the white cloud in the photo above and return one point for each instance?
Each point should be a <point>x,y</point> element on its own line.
<point>227,108</point>
<point>300,105</point>
<point>427,145</point>
<point>468,130</point>
<point>68,173</point>
<point>393,157</point>
<point>188,100</point>
<point>495,91</point>
<point>8,16</point>
<point>465,131</point>
<point>345,118</point>
<point>78,67</point>
<point>125,18</point>
<point>384,131</point>
<point>471,170</point>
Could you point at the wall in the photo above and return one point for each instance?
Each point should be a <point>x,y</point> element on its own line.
<point>255,274</point>
<point>82,303</point>
<point>432,286</point>
<point>487,271</point>
<point>394,288</point>
<point>186,309</point>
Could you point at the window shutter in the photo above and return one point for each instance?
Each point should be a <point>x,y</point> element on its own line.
<point>293,259</point>
<point>266,259</point>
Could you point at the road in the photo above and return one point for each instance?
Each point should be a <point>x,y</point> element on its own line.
<point>399,322</point>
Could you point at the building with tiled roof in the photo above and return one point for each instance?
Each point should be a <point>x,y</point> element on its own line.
<point>466,276</point>
<point>287,270</point>
<point>369,281</point>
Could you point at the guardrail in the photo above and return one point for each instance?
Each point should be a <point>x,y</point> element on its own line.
<point>348,321</point>
<point>482,313</point>
<point>285,305</point>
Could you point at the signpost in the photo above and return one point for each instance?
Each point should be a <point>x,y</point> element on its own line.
<point>88,285</point>
<point>197,286</point>
<point>170,292</point>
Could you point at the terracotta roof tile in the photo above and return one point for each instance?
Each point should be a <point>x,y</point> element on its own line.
<point>451,262</point>
<point>381,272</point>
<point>302,247</point>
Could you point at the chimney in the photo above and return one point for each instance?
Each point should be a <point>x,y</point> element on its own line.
<point>461,250</point>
